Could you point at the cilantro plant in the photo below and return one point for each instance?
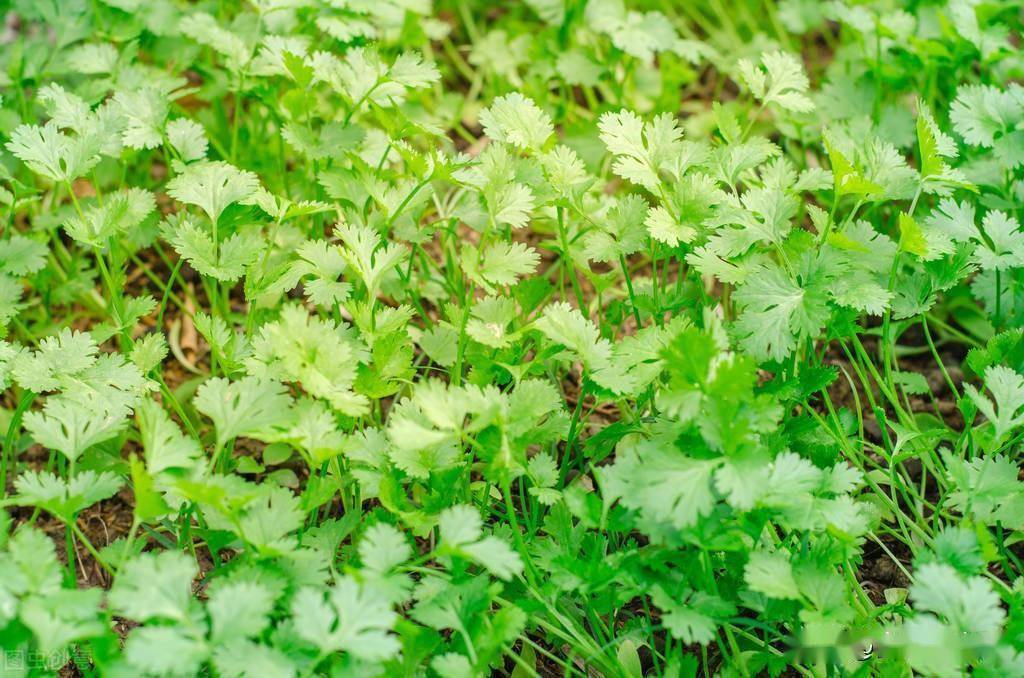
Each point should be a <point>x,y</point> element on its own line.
<point>554,337</point>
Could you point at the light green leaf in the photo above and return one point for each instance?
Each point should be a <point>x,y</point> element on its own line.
<point>155,586</point>
<point>777,313</point>
<point>212,186</point>
<point>782,81</point>
<point>516,120</point>
<point>226,261</point>
<point>239,609</point>
<point>49,152</point>
<point>770,573</point>
<point>249,407</point>
<point>65,499</point>
<point>349,618</point>
<point>461,530</point>
<point>188,138</point>
<point>71,427</point>
<point>912,238</point>
<point>165,650</point>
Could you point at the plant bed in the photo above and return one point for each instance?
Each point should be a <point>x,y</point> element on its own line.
<point>455,338</point>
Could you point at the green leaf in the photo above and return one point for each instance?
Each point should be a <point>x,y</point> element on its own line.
<point>29,565</point>
<point>848,181</point>
<point>515,119</point>
<point>987,490</point>
<point>20,255</point>
<point>226,260</point>
<point>118,214</point>
<point>165,448</point>
<point>72,427</point>
<point>69,353</point>
<point>238,610</point>
<point>382,549</point>
<point>143,112</point>
<point>1001,249</point>
<point>188,138</point>
<point>440,344</point>
<point>777,313</point>
<point>212,186</point>
<point>912,238</point>
<point>968,604</point>
<point>319,354</point>
<point>362,76</point>
<point>461,534</point>
<point>267,521</point>
<point>987,35</point>
<point>641,149</point>
<point>957,547</point>
<point>149,504</point>
<point>149,351</point>
<point>229,345</point>
<point>325,264</point>
<point>165,650</point>
<point>349,618</point>
<point>782,82</point>
<point>621,233</point>
<point>249,407</point>
<point>1007,389</point>
<point>662,484</point>
<point>928,142</point>
<point>314,430</point>
<point>489,322</point>
<point>692,618</point>
<point>981,113</point>
<point>367,255</point>
<point>61,619</point>
<point>155,586</point>
<point>639,34</point>
<point>500,264</point>
<point>205,30</point>
<point>50,153</point>
<point>240,658</point>
<point>452,664</point>
<point>566,326</point>
<point>770,573</point>
<point>1007,346</point>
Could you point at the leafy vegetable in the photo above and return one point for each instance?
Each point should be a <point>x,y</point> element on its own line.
<point>435,338</point>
